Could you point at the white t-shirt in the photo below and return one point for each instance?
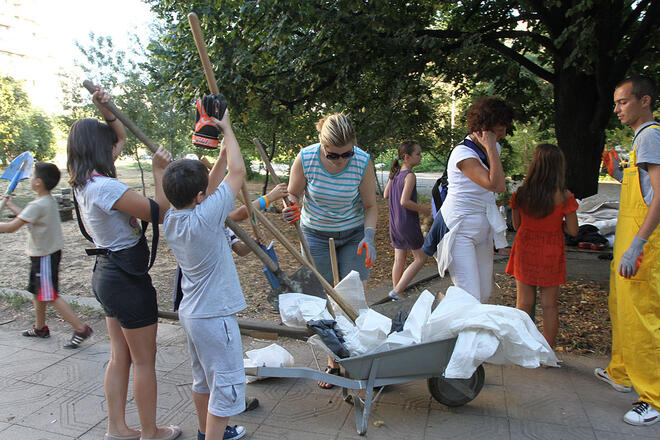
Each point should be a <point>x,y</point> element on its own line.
<point>109,228</point>
<point>647,152</point>
<point>45,230</point>
<point>197,237</point>
<point>460,185</point>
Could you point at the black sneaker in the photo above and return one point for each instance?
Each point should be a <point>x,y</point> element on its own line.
<point>78,337</point>
<point>37,332</point>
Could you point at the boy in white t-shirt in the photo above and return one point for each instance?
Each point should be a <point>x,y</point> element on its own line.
<point>44,247</point>
<point>212,294</point>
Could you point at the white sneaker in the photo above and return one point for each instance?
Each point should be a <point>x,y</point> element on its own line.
<point>394,295</point>
<point>642,414</point>
<point>601,374</point>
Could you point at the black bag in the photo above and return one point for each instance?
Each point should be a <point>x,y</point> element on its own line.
<point>135,260</point>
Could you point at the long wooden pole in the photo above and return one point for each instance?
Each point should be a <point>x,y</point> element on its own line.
<point>350,312</point>
<point>124,119</point>
<point>285,200</point>
<point>213,86</point>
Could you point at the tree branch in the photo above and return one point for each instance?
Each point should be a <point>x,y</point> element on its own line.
<point>634,16</point>
<point>520,59</point>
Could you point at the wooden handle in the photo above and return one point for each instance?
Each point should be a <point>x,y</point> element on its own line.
<point>285,200</point>
<point>213,86</point>
<point>203,54</point>
<point>350,312</point>
<point>124,119</point>
<point>333,261</point>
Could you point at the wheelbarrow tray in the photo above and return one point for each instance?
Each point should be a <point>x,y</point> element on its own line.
<point>399,365</point>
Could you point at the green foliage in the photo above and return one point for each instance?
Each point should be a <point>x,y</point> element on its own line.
<point>15,300</point>
<point>283,64</point>
<point>22,127</point>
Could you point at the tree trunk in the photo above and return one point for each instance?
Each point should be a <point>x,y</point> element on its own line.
<point>579,135</point>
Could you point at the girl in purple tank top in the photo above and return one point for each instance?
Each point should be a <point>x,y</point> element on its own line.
<point>405,233</point>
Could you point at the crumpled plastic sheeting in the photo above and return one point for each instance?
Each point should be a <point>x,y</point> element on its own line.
<point>367,335</point>
<point>415,323</point>
<point>351,291</point>
<point>297,308</point>
<point>272,356</point>
<point>486,333</point>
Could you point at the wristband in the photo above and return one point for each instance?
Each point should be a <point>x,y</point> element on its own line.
<point>267,202</point>
<point>262,203</point>
<point>111,120</point>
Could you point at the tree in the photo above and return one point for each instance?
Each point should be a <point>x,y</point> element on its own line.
<point>557,61</point>
<point>22,127</point>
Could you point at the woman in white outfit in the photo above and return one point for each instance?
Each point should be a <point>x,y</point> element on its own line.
<point>469,225</point>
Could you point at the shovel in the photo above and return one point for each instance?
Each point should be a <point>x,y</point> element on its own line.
<point>20,168</point>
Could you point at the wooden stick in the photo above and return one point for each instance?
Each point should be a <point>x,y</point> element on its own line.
<point>213,86</point>
<point>285,200</point>
<point>124,119</point>
<point>291,248</point>
<point>333,260</point>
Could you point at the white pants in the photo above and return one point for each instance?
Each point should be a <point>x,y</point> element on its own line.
<point>472,266</point>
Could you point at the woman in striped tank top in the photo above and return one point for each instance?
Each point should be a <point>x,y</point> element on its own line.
<point>338,182</point>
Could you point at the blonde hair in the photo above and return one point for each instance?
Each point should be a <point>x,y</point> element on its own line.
<point>335,130</point>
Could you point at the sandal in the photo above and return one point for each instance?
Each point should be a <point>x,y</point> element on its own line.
<point>329,370</point>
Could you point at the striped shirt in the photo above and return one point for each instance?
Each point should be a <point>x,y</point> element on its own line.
<point>332,202</point>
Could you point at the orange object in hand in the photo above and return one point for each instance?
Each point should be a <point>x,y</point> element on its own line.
<point>611,160</point>
<point>291,213</point>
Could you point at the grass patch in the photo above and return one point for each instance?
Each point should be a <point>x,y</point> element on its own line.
<point>14,300</point>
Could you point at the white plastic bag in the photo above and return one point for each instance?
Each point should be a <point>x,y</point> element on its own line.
<point>351,291</point>
<point>415,323</point>
<point>271,356</point>
<point>373,329</point>
<point>297,308</point>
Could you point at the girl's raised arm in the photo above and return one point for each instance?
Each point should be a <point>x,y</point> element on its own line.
<point>100,97</point>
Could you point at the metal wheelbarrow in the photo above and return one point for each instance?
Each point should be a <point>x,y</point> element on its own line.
<point>400,365</point>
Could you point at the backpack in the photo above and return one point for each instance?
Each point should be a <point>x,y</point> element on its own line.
<point>439,191</point>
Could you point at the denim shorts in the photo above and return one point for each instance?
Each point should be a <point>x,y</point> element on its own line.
<point>346,244</point>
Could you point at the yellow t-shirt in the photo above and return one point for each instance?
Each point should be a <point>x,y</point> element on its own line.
<point>44,227</point>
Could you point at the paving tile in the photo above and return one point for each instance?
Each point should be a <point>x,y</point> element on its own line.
<point>169,334</point>
<point>548,405</point>
<point>493,374</point>
<point>389,422</point>
<point>551,378</point>
<point>72,374</point>
<point>96,433</point>
<point>310,412</point>
<point>266,432</point>
<point>98,351</point>
<point>19,399</point>
<point>169,357</point>
<point>28,433</point>
<point>526,429</point>
<point>409,395</point>
<point>608,416</point>
<point>490,402</point>
<point>174,401</point>
<point>606,435</point>
<point>26,362</point>
<point>6,351</point>
<point>449,426</point>
<point>4,426</point>
<point>71,414</point>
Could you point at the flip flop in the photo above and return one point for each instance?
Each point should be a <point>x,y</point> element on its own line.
<point>329,370</point>
<point>175,432</point>
<point>121,437</point>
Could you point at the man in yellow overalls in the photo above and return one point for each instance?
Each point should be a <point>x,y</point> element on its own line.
<point>634,300</point>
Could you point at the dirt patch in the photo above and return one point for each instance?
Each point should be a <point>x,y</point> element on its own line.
<point>584,318</point>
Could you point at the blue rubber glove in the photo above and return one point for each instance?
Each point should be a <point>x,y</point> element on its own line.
<point>629,264</point>
<point>368,244</point>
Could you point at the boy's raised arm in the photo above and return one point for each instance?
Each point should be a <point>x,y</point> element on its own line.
<point>235,165</point>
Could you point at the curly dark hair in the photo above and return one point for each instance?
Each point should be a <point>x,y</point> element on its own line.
<point>183,180</point>
<point>489,112</point>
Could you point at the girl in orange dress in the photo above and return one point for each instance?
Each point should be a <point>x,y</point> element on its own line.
<point>543,209</point>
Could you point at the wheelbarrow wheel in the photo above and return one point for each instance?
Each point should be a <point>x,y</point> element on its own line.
<point>457,392</point>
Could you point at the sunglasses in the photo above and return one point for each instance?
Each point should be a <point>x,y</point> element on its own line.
<point>335,156</point>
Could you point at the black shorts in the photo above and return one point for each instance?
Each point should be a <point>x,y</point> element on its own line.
<point>45,276</point>
<point>131,299</point>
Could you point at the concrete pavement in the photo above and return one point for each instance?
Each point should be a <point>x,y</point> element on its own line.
<point>47,392</point>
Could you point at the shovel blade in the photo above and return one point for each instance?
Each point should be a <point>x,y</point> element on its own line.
<point>16,167</point>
